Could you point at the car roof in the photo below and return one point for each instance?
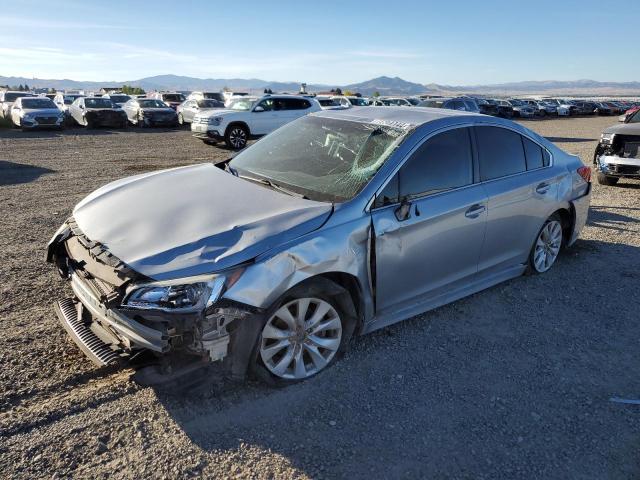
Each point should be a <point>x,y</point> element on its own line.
<point>415,116</point>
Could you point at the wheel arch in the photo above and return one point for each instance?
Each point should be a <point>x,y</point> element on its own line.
<point>238,123</point>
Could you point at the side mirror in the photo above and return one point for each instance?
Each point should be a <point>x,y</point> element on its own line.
<point>81,107</point>
<point>404,210</point>
<point>258,109</point>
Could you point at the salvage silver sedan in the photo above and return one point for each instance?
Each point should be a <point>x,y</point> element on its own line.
<point>339,223</point>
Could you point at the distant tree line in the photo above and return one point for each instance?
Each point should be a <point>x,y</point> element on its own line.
<point>19,88</point>
<point>129,90</point>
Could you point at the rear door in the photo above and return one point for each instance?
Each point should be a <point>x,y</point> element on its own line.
<point>521,191</point>
<point>429,223</point>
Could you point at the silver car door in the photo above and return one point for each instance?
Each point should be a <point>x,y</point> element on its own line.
<point>520,200</point>
<point>429,223</point>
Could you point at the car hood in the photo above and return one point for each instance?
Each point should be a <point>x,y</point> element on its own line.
<point>219,112</point>
<point>158,110</point>
<point>102,109</point>
<point>193,220</point>
<point>624,129</point>
<point>42,111</point>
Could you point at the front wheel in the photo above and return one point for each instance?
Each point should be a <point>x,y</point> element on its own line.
<point>547,245</point>
<point>236,137</point>
<point>302,336</point>
<point>180,119</point>
<point>606,179</point>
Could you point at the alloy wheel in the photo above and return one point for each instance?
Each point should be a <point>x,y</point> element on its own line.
<point>238,137</point>
<point>301,338</point>
<point>547,246</point>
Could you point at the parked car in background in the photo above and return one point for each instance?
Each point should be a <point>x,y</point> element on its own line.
<point>274,259</point>
<point>171,99</point>
<point>7,98</point>
<point>351,101</point>
<point>206,96</point>
<point>36,112</point>
<point>618,152</point>
<point>187,110</point>
<point>413,100</point>
<point>330,103</point>
<point>396,102</point>
<point>118,99</point>
<point>150,112</point>
<point>250,117</point>
<point>626,115</point>
<point>229,95</point>
<point>463,104</point>
<point>64,100</point>
<point>486,107</point>
<point>504,108</point>
<point>615,107</point>
<point>92,112</point>
<point>603,109</point>
<point>521,109</point>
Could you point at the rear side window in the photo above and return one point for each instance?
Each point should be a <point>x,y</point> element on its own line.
<point>500,152</point>
<point>443,162</point>
<point>535,154</point>
<point>295,103</point>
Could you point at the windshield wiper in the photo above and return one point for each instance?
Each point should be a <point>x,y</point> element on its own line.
<point>275,186</point>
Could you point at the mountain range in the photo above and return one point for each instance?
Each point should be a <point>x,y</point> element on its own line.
<point>383,85</point>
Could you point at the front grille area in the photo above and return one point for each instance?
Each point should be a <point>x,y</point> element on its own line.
<point>94,348</point>
<point>46,120</point>
<point>624,169</point>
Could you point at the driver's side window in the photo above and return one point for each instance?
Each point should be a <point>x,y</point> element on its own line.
<point>443,162</point>
<point>266,104</point>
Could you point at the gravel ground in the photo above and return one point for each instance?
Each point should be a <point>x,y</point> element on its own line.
<point>513,382</point>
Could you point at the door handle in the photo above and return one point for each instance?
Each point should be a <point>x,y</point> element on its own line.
<point>543,188</point>
<point>474,211</point>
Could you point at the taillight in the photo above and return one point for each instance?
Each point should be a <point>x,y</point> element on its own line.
<point>585,173</point>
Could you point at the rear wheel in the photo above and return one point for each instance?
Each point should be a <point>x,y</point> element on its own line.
<point>546,248</point>
<point>236,137</point>
<point>607,179</point>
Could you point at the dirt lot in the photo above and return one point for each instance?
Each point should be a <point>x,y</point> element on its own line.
<point>513,382</point>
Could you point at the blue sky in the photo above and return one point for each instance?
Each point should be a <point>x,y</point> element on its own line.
<point>447,42</point>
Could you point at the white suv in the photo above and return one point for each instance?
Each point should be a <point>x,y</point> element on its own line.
<point>249,117</point>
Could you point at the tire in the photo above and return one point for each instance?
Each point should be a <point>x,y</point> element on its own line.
<point>295,345</point>
<point>180,119</point>
<point>87,123</point>
<point>236,137</point>
<point>606,179</point>
<point>546,246</point>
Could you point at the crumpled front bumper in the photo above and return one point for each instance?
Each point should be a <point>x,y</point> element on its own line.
<point>615,166</point>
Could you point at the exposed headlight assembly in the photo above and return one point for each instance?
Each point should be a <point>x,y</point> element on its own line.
<point>607,138</point>
<point>182,295</point>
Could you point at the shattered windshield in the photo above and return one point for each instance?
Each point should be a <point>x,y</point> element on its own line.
<point>324,159</point>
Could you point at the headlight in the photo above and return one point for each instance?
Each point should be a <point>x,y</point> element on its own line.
<point>607,138</point>
<point>214,121</point>
<point>181,296</point>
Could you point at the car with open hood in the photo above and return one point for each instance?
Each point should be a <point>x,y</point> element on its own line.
<point>92,112</point>
<point>618,152</point>
<point>150,112</point>
<point>270,262</point>
<point>32,113</point>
